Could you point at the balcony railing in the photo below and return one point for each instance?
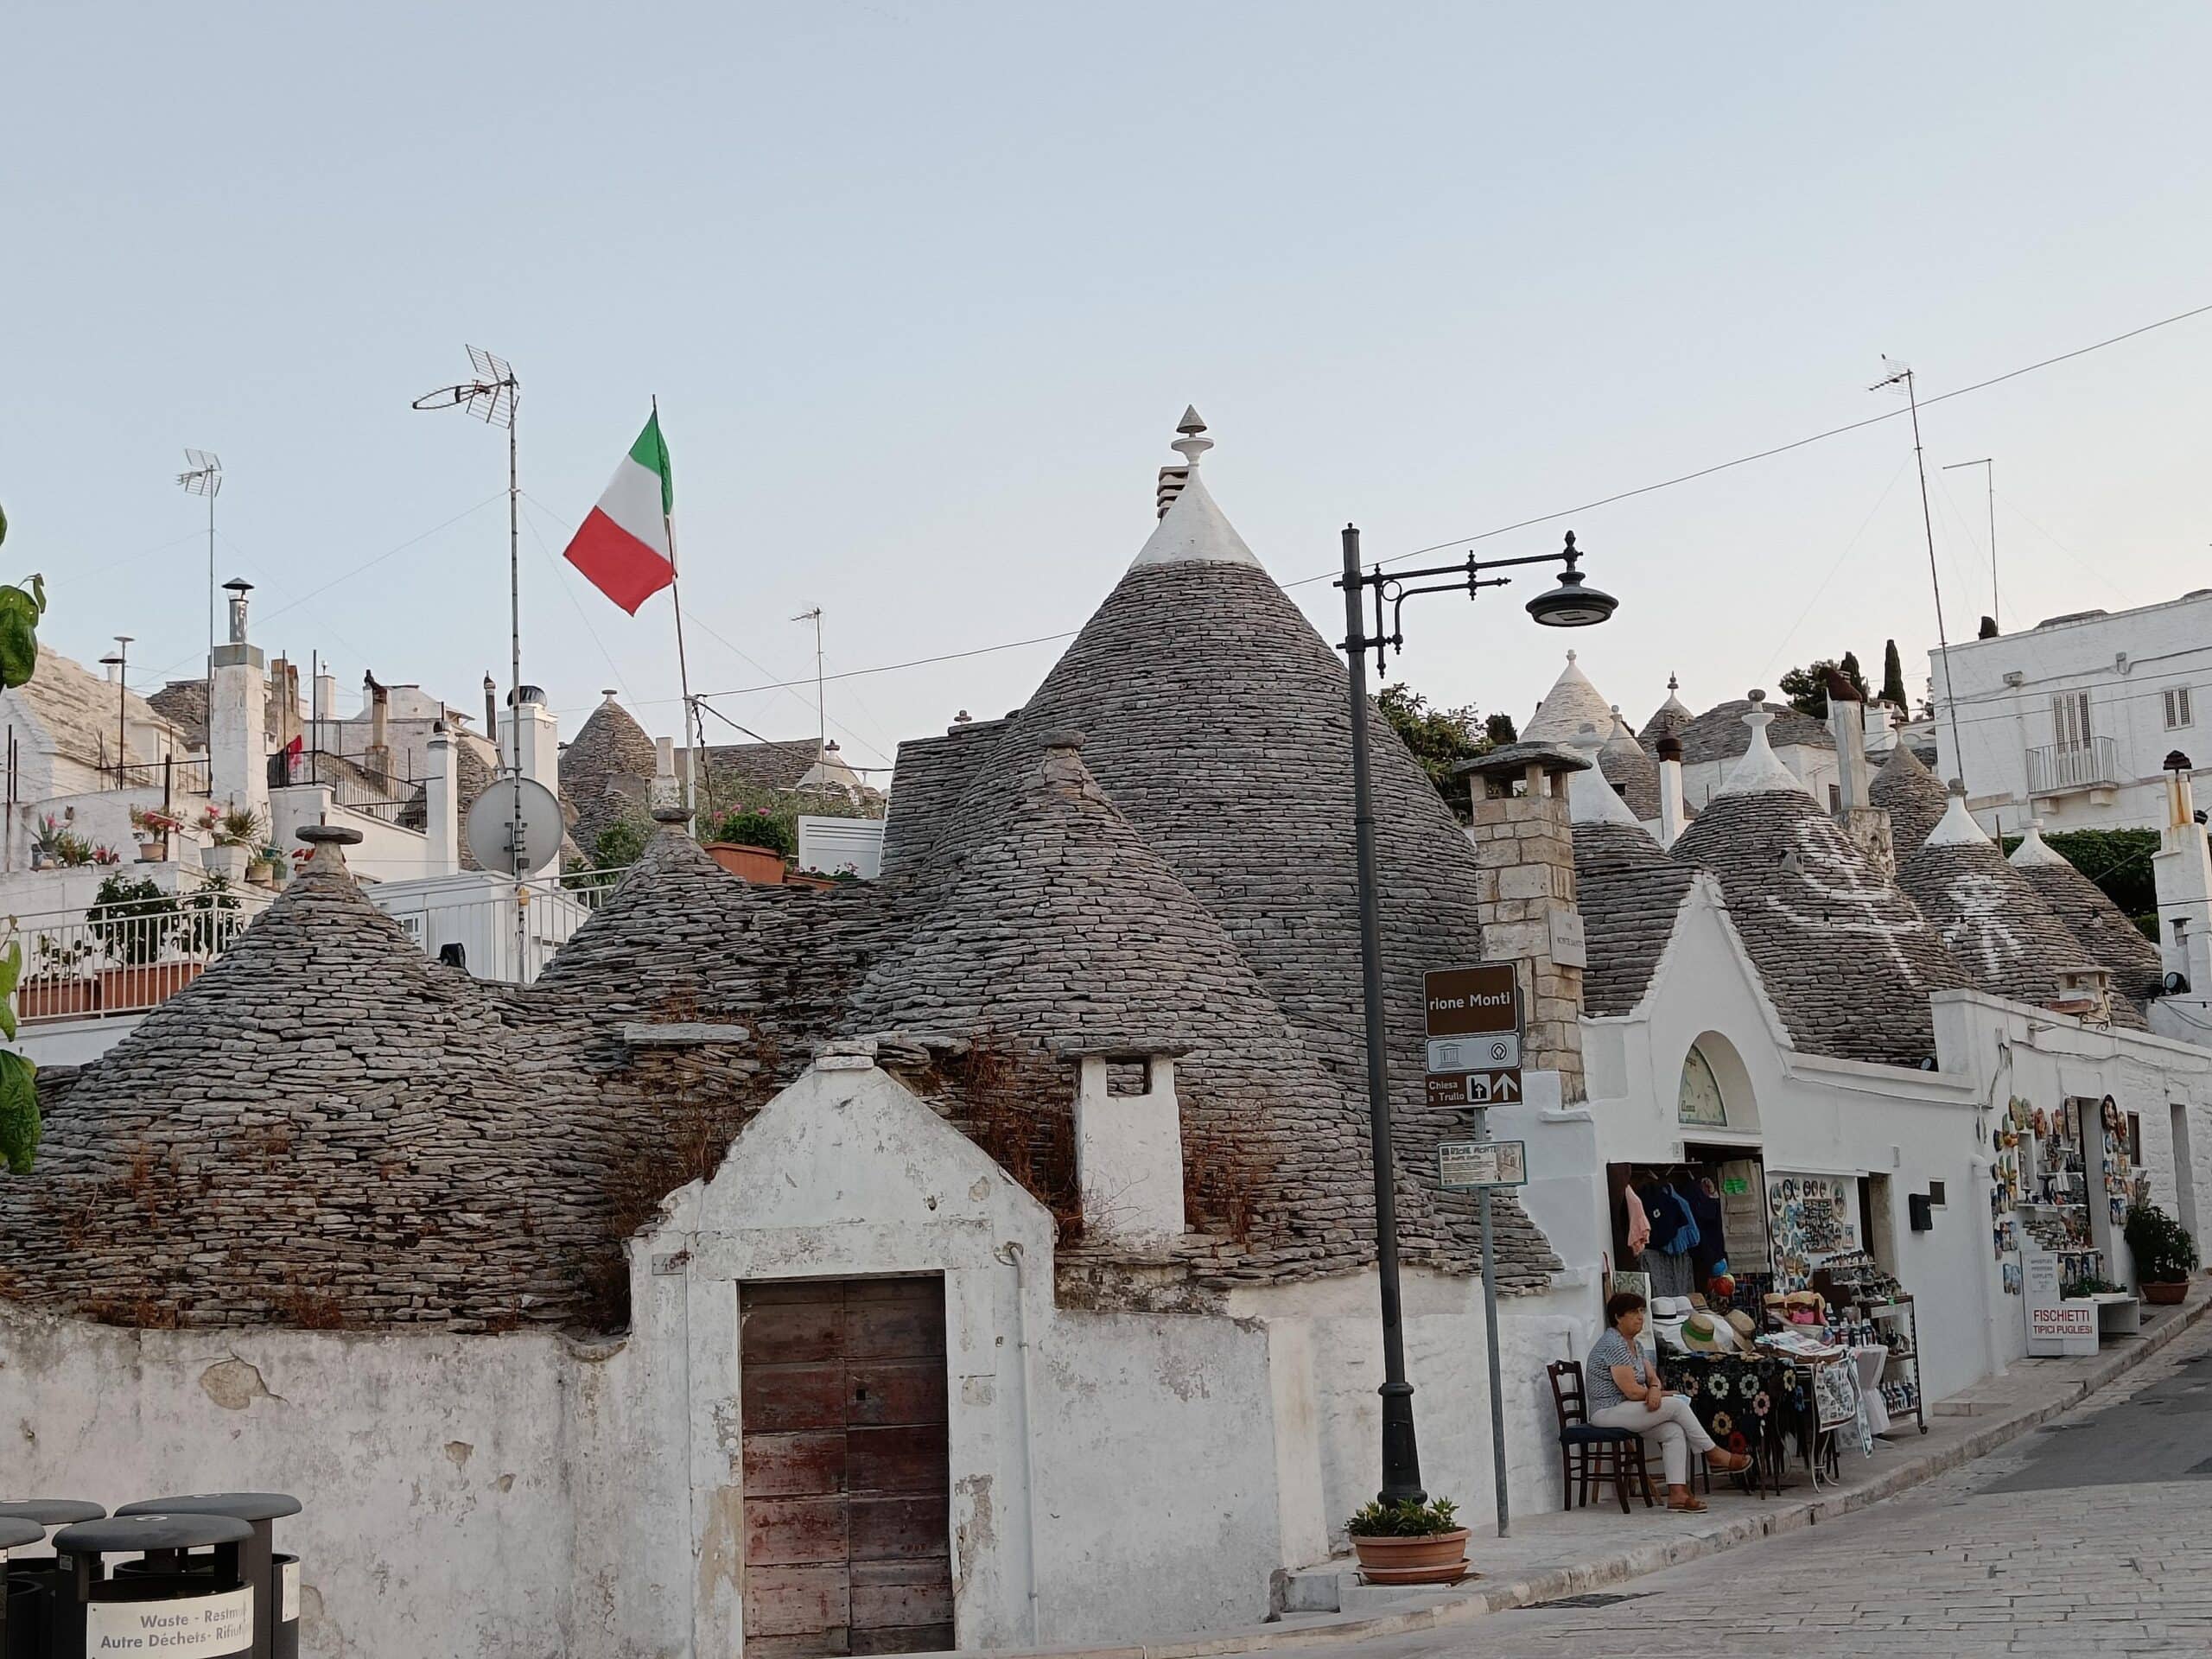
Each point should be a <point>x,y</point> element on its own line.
<point>124,958</point>
<point>474,926</point>
<point>2063,767</point>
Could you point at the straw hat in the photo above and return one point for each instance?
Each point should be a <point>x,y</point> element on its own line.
<point>1699,1335</point>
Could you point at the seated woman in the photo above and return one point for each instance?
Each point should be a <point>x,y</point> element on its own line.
<point>1621,1391</point>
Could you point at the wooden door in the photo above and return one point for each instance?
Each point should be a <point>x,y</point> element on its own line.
<point>848,1494</point>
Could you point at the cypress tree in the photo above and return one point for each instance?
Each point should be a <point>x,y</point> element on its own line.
<point>1892,675</point>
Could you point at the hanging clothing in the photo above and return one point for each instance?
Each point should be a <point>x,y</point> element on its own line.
<point>1712,1247</point>
<point>1671,1275</point>
<point>1673,1230</point>
<point>1639,1224</point>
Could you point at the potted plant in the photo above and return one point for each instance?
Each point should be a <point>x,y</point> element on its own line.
<point>135,923</point>
<point>2164,1254</point>
<point>238,833</point>
<point>57,844</point>
<point>152,827</point>
<point>752,844</point>
<point>1409,1543</point>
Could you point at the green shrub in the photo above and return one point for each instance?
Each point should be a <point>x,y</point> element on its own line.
<point>132,919</point>
<point>757,827</point>
<point>2163,1251</point>
<point>1380,1520</point>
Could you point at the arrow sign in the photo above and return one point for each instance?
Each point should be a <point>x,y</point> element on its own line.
<point>1505,1086</point>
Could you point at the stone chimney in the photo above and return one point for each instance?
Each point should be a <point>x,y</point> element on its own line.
<point>324,712</point>
<point>2182,872</point>
<point>238,707</point>
<point>541,739</point>
<point>284,696</point>
<point>490,707</point>
<point>442,803</point>
<point>377,756</point>
<point>1866,823</point>
<point>1129,1146</point>
<point>1523,839</point>
<point>1671,815</point>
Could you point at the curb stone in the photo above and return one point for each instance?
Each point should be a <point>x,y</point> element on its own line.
<point>1325,1628</point>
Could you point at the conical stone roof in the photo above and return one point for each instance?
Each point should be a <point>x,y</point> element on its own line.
<point>1845,957</point>
<point>1216,723</point>
<point>1668,719</point>
<point>1990,917</point>
<point>606,770</point>
<point>1572,703</point>
<point>1630,769</point>
<point>1630,894</point>
<point>2106,934</point>
<point>325,1128</point>
<point>1912,797</point>
<point>1065,928</point>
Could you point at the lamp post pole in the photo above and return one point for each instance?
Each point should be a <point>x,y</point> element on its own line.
<point>1569,605</point>
<point>1401,1453</point>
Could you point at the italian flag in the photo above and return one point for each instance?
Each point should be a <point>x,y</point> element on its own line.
<point>624,547</point>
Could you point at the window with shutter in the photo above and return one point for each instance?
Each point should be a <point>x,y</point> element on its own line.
<point>2070,719</point>
<point>2178,713</point>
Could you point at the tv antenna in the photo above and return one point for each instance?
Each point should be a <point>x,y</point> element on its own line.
<point>1899,379</point>
<point>821,715</point>
<point>491,397</point>
<point>205,478</point>
<point>1989,468</point>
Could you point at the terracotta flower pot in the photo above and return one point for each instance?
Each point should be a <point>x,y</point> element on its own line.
<point>755,864</point>
<point>2166,1295</point>
<point>57,996</point>
<point>1440,1558</point>
<point>146,986</point>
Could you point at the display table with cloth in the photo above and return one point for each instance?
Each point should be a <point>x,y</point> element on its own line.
<point>1753,1403</point>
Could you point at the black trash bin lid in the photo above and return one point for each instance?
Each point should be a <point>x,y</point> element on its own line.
<point>52,1511</point>
<point>246,1506</point>
<point>124,1532</point>
<point>14,1533</point>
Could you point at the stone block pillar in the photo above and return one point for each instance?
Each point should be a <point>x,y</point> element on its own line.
<point>238,715</point>
<point>1525,846</point>
<point>1128,1148</point>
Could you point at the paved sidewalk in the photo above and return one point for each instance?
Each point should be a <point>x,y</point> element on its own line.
<point>1562,1554</point>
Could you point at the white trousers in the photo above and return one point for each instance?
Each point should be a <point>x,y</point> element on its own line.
<point>1673,1427</point>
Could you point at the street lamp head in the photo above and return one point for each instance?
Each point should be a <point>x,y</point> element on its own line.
<point>1572,605</point>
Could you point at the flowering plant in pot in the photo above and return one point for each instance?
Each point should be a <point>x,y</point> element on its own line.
<point>1409,1543</point>
<point>751,844</point>
<point>2164,1254</point>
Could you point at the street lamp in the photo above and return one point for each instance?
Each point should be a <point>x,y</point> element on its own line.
<point>1570,605</point>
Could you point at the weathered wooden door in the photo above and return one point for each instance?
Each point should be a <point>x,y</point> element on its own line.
<point>847,1477</point>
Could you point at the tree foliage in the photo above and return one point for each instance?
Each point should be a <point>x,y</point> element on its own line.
<point>2117,861</point>
<point>20,611</point>
<point>1439,738</point>
<point>1806,688</point>
<point>1893,676</point>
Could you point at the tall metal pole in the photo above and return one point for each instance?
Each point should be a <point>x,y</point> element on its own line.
<point>1401,1455</point>
<point>1496,1386</point>
<point>514,695</point>
<point>211,570</point>
<point>1935,581</point>
<point>682,670</point>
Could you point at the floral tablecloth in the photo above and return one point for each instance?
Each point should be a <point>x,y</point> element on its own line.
<point>1749,1403</point>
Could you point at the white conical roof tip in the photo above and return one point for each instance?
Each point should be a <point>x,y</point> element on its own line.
<point>1761,769</point>
<point>1956,828</point>
<point>1193,529</point>
<point>1590,796</point>
<point>2034,849</point>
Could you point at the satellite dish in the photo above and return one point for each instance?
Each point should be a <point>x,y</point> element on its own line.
<point>492,827</point>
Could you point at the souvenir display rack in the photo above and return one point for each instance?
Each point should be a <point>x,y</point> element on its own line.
<point>1884,1316</point>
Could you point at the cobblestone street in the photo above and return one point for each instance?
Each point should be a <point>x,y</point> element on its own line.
<point>2091,1535</point>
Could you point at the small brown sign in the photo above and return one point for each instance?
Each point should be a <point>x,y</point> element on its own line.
<point>1462,1001</point>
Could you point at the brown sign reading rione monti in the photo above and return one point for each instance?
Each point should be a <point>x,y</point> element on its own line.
<point>1463,1001</point>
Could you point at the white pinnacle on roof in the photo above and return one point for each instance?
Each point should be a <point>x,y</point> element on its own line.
<point>1675,705</point>
<point>1572,703</point>
<point>1760,769</point>
<point>1956,828</point>
<point>2034,849</point>
<point>1622,739</point>
<point>1590,798</point>
<point>1193,529</point>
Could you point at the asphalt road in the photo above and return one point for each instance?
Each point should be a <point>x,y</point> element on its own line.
<point>2091,1535</point>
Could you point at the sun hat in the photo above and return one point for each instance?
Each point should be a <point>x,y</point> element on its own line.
<point>1671,1308</point>
<point>1699,1335</point>
<point>1741,1323</point>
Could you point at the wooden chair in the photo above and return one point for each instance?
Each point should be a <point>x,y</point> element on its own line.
<point>1588,1453</point>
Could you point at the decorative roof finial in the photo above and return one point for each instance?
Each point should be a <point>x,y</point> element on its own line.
<point>1673,684</point>
<point>1570,653</point>
<point>1191,445</point>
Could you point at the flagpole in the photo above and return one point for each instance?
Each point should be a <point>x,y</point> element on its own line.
<point>691,719</point>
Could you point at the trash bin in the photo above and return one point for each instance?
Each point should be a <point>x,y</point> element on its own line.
<point>275,1578</point>
<point>14,1534</point>
<point>33,1575</point>
<point>200,1606</point>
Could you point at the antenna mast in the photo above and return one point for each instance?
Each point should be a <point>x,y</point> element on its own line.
<point>1900,374</point>
<point>491,397</point>
<point>821,713</point>
<point>1989,469</point>
<point>205,478</point>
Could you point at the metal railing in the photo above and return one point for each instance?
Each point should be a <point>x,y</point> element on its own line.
<point>353,780</point>
<point>473,927</point>
<point>2061,768</point>
<point>173,777</point>
<point>126,958</point>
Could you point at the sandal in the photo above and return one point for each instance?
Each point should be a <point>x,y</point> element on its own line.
<point>1690,1505</point>
<point>1736,1463</point>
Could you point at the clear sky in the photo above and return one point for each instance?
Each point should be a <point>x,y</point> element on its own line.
<point>923,288</point>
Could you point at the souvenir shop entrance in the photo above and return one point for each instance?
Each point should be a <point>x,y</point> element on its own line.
<point>1685,1224</point>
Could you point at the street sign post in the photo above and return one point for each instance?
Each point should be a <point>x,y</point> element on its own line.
<point>1474,1035</point>
<point>1473,1018</point>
